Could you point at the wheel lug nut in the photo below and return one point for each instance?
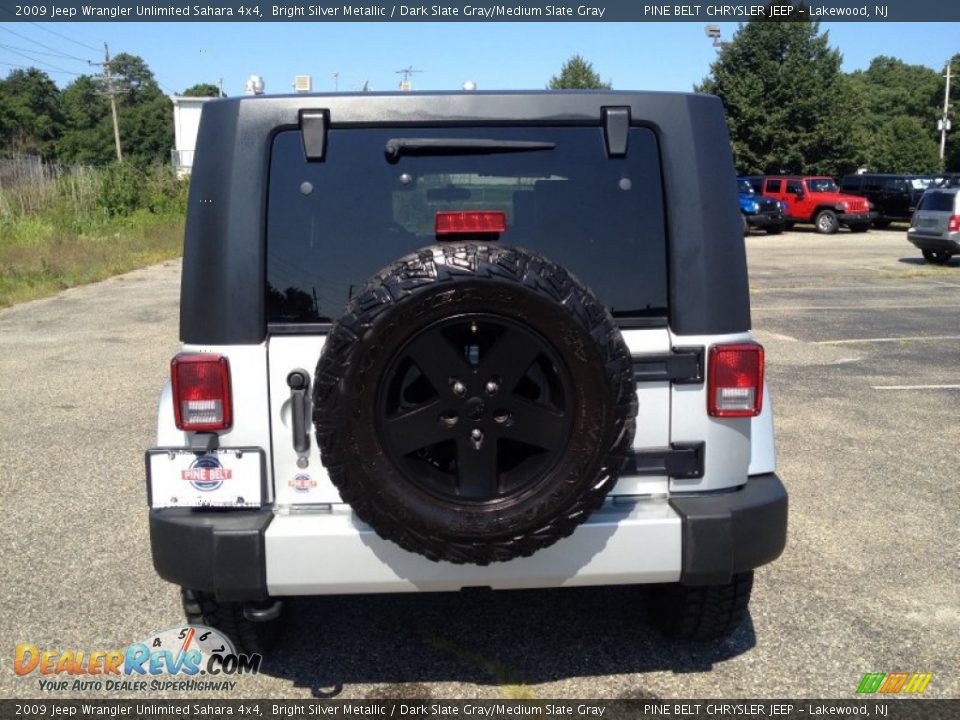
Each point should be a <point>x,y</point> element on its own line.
<point>492,388</point>
<point>459,389</point>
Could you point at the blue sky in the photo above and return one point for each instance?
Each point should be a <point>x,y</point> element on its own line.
<point>648,56</point>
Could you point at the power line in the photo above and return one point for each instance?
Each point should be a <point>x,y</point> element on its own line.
<point>61,35</point>
<point>38,52</point>
<point>42,62</point>
<point>26,67</point>
<point>37,42</point>
<point>164,87</point>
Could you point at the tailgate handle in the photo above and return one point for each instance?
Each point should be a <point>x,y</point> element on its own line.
<point>299,382</point>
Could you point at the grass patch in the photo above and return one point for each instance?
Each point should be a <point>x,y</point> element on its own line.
<point>57,232</point>
<point>510,685</point>
<point>61,261</point>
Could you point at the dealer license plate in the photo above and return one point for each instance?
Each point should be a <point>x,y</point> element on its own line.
<point>227,477</point>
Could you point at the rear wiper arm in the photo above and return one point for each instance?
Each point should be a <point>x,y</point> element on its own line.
<point>454,146</point>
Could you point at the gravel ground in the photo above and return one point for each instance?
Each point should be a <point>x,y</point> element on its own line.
<point>868,582</point>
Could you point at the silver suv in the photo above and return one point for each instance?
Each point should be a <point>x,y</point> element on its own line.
<point>444,341</point>
<point>935,227</point>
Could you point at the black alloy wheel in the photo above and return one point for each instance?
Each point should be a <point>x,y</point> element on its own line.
<point>475,408</point>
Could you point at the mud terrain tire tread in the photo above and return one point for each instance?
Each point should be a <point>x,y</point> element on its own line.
<point>248,637</point>
<point>706,612</point>
<point>467,262</point>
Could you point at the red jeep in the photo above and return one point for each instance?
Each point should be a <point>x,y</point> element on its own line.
<point>818,200</point>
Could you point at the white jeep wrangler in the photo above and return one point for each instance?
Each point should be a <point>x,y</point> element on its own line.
<point>518,326</point>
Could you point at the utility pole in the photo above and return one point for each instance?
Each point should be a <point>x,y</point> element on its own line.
<point>336,82</point>
<point>945,118</point>
<point>111,91</point>
<point>220,87</point>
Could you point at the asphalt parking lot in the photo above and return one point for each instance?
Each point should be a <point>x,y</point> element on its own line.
<point>863,343</point>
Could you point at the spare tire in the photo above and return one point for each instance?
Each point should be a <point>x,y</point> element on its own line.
<point>475,403</point>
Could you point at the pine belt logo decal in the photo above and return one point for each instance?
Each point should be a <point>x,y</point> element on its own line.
<point>893,683</point>
<point>206,473</point>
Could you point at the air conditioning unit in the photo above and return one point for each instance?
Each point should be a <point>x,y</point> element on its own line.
<point>302,83</point>
<point>254,85</point>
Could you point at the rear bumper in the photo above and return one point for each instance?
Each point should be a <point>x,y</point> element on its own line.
<point>249,555</point>
<point>950,243</point>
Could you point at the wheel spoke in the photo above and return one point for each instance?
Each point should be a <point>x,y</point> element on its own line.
<point>477,475</point>
<point>509,359</point>
<point>418,428</point>
<point>533,424</point>
<point>437,359</point>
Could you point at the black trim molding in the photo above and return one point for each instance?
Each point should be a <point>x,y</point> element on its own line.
<point>681,460</point>
<point>683,366</point>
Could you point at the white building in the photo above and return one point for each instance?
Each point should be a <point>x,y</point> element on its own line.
<point>186,123</point>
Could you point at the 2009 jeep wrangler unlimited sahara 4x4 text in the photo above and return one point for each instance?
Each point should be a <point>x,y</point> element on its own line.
<point>519,324</point>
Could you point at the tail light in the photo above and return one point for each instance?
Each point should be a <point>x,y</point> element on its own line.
<point>201,392</point>
<point>953,224</point>
<point>735,380</point>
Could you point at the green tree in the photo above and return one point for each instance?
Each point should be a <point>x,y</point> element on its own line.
<point>202,90</point>
<point>904,144</point>
<point>31,112</point>
<point>145,113</point>
<point>789,107</point>
<point>577,74</point>
<point>896,128</point>
<point>88,135</point>
<point>134,78</point>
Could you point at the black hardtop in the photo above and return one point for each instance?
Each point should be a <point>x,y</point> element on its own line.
<point>799,178</point>
<point>891,175</point>
<point>223,299</point>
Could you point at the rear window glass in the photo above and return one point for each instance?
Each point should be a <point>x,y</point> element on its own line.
<point>937,201</point>
<point>333,224</point>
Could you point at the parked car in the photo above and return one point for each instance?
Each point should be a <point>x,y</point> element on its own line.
<point>894,197</point>
<point>756,182</point>
<point>417,329</point>
<point>818,200</point>
<point>758,211</point>
<point>935,228</point>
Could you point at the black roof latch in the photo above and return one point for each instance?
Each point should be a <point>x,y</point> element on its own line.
<point>314,125</point>
<point>616,130</point>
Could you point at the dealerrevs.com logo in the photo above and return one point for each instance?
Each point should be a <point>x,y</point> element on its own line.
<point>172,659</point>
